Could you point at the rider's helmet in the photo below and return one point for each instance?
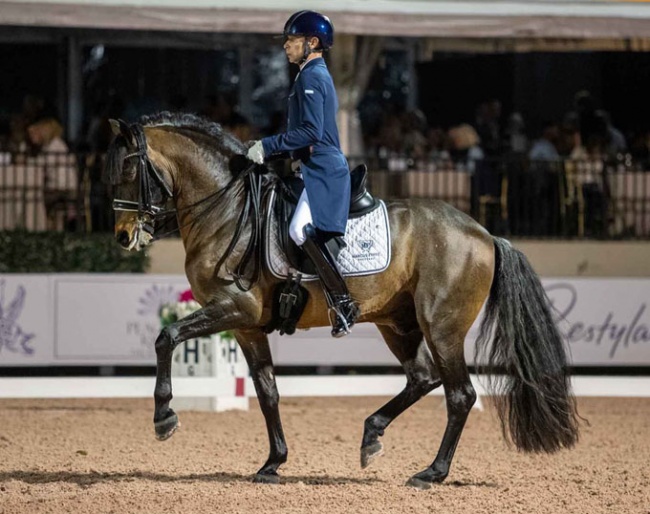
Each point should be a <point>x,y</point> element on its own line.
<point>310,24</point>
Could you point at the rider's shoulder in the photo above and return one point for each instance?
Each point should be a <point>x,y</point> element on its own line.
<point>315,75</point>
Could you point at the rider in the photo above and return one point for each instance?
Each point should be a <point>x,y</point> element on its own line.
<point>312,137</point>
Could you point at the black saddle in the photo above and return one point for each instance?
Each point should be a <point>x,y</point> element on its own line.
<point>361,202</point>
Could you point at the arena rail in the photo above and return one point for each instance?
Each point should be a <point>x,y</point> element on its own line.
<point>289,386</point>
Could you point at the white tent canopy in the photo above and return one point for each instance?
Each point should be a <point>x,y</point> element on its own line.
<point>419,18</point>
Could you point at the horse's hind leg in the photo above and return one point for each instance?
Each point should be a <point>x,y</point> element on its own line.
<point>255,346</point>
<point>421,378</point>
<point>447,350</point>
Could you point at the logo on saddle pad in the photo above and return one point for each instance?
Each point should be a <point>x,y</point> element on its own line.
<point>366,245</point>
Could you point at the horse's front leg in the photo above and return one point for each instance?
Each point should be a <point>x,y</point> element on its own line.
<point>213,318</point>
<point>255,346</point>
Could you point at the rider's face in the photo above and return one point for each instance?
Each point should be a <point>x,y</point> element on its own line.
<point>294,48</point>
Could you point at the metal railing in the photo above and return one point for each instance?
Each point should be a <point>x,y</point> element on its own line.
<point>53,192</point>
<point>561,199</point>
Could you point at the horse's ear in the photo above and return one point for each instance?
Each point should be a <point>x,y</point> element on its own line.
<point>126,132</point>
<point>115,127</point>
<point>121,128</point>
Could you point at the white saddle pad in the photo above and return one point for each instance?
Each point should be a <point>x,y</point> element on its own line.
<point>367,239</point>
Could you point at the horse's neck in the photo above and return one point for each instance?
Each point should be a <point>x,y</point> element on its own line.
<point>206,218</point>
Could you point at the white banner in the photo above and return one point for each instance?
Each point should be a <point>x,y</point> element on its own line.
<point>82,319</point>
<point>113,320</point>
<point>606,322</point>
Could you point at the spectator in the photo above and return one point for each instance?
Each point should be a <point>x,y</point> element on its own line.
<point>616,143</point>
<point>487,126</point>
<point>465,149</point>
<point>592,125</point>
<point>545,148</point>
<point>516,142</point>
<point>60,173</point>
<point>414,143</point>
<point>437,144</point>
<point>540,189</point>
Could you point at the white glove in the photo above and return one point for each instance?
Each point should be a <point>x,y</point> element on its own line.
<point>256,153</point>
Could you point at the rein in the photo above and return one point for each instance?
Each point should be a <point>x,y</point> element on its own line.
<point>147,212</point>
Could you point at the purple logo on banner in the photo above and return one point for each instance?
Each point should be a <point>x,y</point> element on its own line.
<point>12,336</point>
<point>613,332</point>
<point>146,326</point>
<point>155,297</point>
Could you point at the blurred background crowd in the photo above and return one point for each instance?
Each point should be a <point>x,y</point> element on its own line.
<point>526,142</point>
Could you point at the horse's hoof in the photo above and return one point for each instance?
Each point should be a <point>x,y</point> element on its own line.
<point>370,453</point>
<point>166,428</point>
<point>266,479</point>
<point>418,483</point>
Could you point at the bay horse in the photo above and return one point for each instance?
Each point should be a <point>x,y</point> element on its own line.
<point>444,267</point>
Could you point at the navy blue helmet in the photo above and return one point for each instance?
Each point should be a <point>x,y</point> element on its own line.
<point>310,24</point>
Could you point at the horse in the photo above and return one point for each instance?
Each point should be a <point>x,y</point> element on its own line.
<point>445,267</point>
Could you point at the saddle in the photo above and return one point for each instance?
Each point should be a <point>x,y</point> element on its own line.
<point>361,203</point>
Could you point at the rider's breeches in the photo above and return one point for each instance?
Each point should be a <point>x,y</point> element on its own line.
<point>301,217</point>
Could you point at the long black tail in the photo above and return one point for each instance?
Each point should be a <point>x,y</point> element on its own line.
<point>531,389</point>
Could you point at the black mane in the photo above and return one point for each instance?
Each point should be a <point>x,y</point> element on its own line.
<point>224,142</point>
<point>224,139</point>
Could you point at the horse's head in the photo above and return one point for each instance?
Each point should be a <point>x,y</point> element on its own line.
<point>140,191</point>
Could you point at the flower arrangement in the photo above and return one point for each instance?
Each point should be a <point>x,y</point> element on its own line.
<point>185,305</point>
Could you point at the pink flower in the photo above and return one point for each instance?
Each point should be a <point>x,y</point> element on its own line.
<point>186,296</point>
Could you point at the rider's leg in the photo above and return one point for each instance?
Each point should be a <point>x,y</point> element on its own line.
<point>301,217</point>
<point>345,310</point>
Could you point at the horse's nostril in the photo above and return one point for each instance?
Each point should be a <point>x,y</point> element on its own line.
<point>123,238</point>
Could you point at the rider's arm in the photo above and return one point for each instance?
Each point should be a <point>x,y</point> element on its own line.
<point>311,99</point>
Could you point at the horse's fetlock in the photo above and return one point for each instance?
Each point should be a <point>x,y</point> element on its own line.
<point>375,425</point>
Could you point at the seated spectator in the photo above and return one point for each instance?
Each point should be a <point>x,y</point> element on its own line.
<point>414,143</point>
<point>516,141</point>
<point>545,148</point>
<point>487,124</point>
<point>464,142</point>
<point>60,172</point>
<point>437,144</point>
<point>540,189</point>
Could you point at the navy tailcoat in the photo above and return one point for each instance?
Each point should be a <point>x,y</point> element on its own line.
<point>312,123</point>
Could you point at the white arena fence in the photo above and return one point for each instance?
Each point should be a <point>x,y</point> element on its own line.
<point>289,386</point>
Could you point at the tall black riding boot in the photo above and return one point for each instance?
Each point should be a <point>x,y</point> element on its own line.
<point>344,311</point>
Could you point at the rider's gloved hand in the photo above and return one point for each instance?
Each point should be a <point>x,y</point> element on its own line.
<point>255,152</point>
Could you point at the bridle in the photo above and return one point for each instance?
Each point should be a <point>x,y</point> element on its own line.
<point>151,182</point>
<point>148,178</point>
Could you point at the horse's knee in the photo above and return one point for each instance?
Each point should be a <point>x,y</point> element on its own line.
<point>166,341</point>
<point>267,390</point>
